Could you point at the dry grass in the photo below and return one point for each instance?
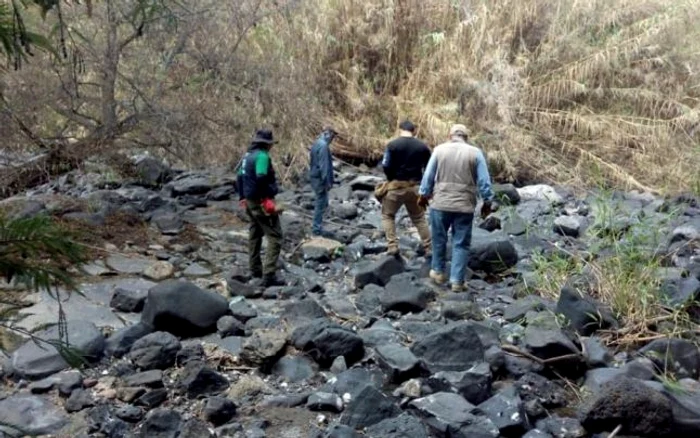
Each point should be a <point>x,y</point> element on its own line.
<point>568,91</point>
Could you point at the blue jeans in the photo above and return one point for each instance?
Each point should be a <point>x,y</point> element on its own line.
<point>461,225</point>
<point>319,209</point>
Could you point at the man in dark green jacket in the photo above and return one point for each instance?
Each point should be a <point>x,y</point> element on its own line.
<point>257,188</point>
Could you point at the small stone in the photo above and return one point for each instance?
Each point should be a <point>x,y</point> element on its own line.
<point>153,398</point>
<point>79,400</point>
<point>161,423</point>
<point>196,270</point>
<point>219,410</point>
<point>159,271</point>
<point>129,413</point>
<point>150,379</point>
<point>198,379</point>
<point>323,401</point>
<point>338,365</point>
<point>241,309</point>
<point>399,362</point>
<point>227,325</point>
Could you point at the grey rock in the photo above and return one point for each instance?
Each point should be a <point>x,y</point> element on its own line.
<point>514,225</point>
<point>264,347</point>
<point>378,272</point>
<point>681,291</point>
<point>240,289</point>
<point>365,183</point>
<point>294,369</point>
<point>540,394</point>
<point>183,309</point>
<point>517,310</point>
<point>285,401</point>
<point>568,226</point>
<point>584,314</point>
<point>150,379</point>
<point>127,265</point>
<point>36,361</point>
<point>399,362</point>
<point>676,356</point>
<point>161,423</point>
<point>640,410</point>
<point>338,366</point>
<point>354,380</point>
<point>155,351</point>
<point>345,211</point>
<point>449,415</point>
<point>685,404</point>
<point>32,415</point>
<point>303,311</point>
<point>595,353</point>
<point>129,413</point>
<point>66,382</point>
<point>342,431</point>
<point>324,401</point>
<point>219,410</point>
<point>151,172</point>
<point>561,427</point>
<point>128,300</point>
<point>494,256</point>
<point>227,325</point>
<point>324,341</point>
<point>120,342</point>
<point>102,420</point>
<point>507,412</point>
<point>506,194</point>
<point>168,223</point>
<point>242,310</point>
<point>536,433</point>
<point>369,407</point>
<point>547,343</point>
<point>403,426</point>
<point>80,399</point>
<point>474,384</point>
<point>404,294</point>
<point>195,428</point>
<point>462,310</point>
<point>153,398</point>
<point>456,348</point>
<point>190,352</point>
<point>196,270</point>
<point>190,185</point>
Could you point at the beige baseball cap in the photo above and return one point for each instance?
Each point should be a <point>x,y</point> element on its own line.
<point>459,129</point>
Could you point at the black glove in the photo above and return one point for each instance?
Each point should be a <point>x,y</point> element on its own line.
<point>423,201</point>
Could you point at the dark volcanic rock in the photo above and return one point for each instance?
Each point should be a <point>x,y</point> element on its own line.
<point>640,410</point>
<point>120,342</point>
<point>399,362</point>
<point>264,347</point>
<point>449,415</point>
<point>403,426</point>
<point>378,272</point>
<point>507,412</point>
<point>219,410</point>
<point>474,384</point>
<point>128,300</point>
<point>324,341</point>
<point>456,348</point>
<point>227,325</point>
<point>155,351</point>
<point>161,423</point>
<point>677,356</point>
<point>369,407</point>
<point>404,294</point>
<point>294,369</point>
<point>324,401</point>
<point>183,309</point>
<point>583,313</point>
<point>493,256</point>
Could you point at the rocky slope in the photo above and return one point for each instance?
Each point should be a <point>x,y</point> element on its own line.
<point>177,341</point>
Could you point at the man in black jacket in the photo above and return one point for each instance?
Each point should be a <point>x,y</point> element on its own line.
<point>404,161</point>
<point>257,187</point>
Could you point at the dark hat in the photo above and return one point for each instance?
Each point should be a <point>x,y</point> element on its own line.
<point>264,136</point>
<point>407,125</point>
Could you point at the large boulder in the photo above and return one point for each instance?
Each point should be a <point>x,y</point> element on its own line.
<point>676,356</point>
<point>640,410</point>
<point>398,362</point>
<point>155,351</point>
<point>456,348</point>
<point>151,172</point>
<point>183,309</point>
<point>36,360</point>
<point>324,341</point>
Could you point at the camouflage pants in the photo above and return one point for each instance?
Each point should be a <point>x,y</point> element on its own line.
<point>262,225</point>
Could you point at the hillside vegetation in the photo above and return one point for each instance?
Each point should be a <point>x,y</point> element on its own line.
<point>580,92</point>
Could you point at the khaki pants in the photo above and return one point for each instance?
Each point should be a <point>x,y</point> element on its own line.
<point>392,203</point>
<point>262,225</point>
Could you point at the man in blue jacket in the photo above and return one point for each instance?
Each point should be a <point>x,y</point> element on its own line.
<point>321,176</point>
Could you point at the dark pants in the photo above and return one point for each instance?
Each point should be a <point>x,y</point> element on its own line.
<point>320,207</point>
<point>263,225</point>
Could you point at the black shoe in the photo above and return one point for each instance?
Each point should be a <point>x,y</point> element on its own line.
<point>272,280</point>
<point>257,275</point>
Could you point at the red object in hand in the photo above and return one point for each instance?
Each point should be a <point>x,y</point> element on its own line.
<point>243,204</point>
<point>269,206</point>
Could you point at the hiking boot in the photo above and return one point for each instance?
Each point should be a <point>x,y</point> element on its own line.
<point>257,275</point>
<point>437,277</point>
<point>393,251</point>
<point>271,280</point>
<point>456,287</point>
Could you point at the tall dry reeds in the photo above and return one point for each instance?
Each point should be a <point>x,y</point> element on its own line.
<point>570,91</point>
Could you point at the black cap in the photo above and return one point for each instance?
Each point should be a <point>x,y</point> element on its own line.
<point>264,136</point>
<point>407,125</point>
